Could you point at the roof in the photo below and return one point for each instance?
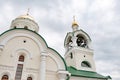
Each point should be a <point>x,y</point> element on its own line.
<point>83,73</point>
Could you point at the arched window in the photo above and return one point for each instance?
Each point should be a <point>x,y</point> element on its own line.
<point>21,58</point>
<point>5,77</point>
<point>29,78</point>
<point>19,68</point>
<point>85,64</point>
<point>81,41</point>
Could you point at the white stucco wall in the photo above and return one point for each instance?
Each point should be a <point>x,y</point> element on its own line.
<point>14,46</point>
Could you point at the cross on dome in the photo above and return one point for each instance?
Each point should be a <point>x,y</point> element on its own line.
<point>28,11</point>
<point>74,24</point>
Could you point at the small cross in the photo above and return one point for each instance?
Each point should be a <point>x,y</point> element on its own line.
<point>73,18</point>
<point>28,11</point>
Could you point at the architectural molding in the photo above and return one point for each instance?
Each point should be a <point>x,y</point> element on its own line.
<point>23,34</point>
<point>44,53</point>
<point>79,48</point>
<point>60,63</point>
<point>63,74</point>
<point>5,67</point>
<point>42,72</point>
<point>22,51</point>
<point>6,73</point>
<point>31,70</point>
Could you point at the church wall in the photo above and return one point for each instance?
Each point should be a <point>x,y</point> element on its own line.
<point>51,64</point>
<point>51,75</point>
<point>16,47</point>
<point>23,44</point>
<point>13,49</point>
<point>69,61</point>
<point>82,55</point>
<point>41,62</point>
<point>51,69</point>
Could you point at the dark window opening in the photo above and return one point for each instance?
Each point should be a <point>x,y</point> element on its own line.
<point>24,41</point>
<point>19,68</point>
<point>21,58</point>
<point>85,64</point>
<point>29,78</point>
<point>71,55</point>
<point>84,55</point>
<point>19,72</point>
<point>81,41</point>
<point>5,77</point>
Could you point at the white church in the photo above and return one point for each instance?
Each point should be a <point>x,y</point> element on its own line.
<point>25,55</point>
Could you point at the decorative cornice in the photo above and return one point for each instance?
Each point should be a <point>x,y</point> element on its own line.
<point>5,67</point>
<point>31,70</point>
<point>44,53</point>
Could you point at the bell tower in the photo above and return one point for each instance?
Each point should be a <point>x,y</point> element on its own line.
<point>78,49</point>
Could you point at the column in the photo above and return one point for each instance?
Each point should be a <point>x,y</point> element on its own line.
<point>74,39</point>
<point>42,73</point>
<point>63,75</point>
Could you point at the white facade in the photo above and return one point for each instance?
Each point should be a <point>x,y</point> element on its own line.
<point>24,54</point>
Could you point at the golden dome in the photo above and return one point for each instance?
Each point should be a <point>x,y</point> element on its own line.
<point>27,16</point>
<point>74,23</point>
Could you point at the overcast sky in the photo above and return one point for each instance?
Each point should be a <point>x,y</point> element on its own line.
<point>99,18</point>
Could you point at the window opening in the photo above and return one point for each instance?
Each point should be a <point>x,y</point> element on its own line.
<point>29,78</point>
<point>81,41</point>
<point>21,58</point>
<point>85,64</point>
<point>5,77</point>
<point>19,68</point>
<point>71,55</point>
<point>24,41</point>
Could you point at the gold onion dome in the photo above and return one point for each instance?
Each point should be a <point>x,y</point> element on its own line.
<point>74,23</point>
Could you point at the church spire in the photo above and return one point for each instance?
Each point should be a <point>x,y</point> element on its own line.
<point>74,24</point>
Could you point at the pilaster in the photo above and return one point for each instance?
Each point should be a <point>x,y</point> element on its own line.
<point>74,38</point>
<point>42,73</point>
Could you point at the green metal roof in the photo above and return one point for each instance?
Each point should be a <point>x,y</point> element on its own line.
<point>83,73</point>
